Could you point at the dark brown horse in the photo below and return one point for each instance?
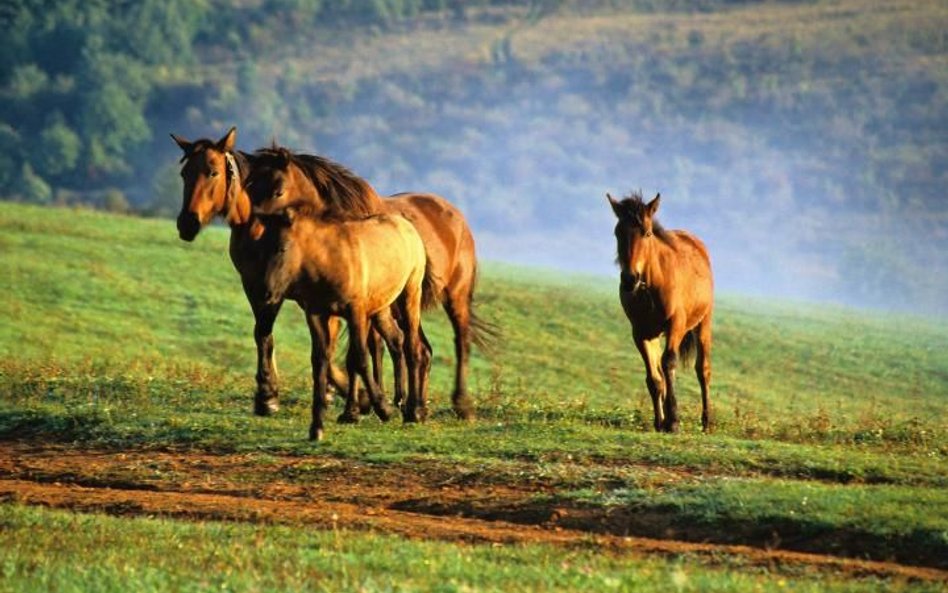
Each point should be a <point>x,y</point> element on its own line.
<point>666,287</point>
<point>215,176</point>
<point>355,269</point>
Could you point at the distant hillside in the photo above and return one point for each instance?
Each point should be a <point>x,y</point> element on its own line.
<point>806,142</point>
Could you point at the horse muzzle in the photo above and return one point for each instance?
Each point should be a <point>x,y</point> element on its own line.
<point>630,282</point>
<point>188,226</point>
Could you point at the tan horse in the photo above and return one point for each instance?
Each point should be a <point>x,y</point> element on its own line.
<point>357,270</point>
<point>666,287</point>
<point>447,237</point>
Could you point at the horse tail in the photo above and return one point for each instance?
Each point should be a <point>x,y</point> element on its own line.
<point>432,286</point>
<point>484,334</point>
<point>686,350</point>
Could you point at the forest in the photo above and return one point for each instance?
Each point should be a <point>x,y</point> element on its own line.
<point>805,140</point>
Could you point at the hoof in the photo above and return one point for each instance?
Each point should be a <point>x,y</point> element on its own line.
<point>384,413</point>
<point>416,415</point>
<point>266,407</point>
<point>348,417</point>
<point>365,402</point>
<point>464,411</point>
<point>316,434</point>
<point>671,427</point>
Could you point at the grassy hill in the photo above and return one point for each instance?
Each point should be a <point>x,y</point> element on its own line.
<point>124,298</point>
<point>116,336</point>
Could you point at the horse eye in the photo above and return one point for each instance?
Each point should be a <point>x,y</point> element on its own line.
<point>212,173</point>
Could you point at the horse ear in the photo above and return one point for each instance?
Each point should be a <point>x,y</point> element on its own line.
<point>652,206</point>
<point>226,144</point>
<point>183,144</point>
<point>615,205</point>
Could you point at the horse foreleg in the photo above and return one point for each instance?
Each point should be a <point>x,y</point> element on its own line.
<point>375,342</point>
<point>319,332</point>
<point>703,370</point>
<point>651,352</point>
<point>669,364</point>
<point>267,397</point>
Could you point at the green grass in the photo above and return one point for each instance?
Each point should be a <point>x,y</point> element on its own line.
<point>161,555</point>
<point>117,335</point>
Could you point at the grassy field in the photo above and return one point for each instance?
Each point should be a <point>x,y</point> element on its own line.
<point>118,337</point>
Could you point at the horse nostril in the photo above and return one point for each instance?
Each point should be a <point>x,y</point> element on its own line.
<point>188,227</point>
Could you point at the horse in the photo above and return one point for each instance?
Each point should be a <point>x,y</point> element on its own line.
<point>354,268</point>
<point>214,177</point>
<point>448,241</point>
<point>665,287</point>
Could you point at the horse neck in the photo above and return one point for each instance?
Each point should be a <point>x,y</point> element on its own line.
<point>655,263</point>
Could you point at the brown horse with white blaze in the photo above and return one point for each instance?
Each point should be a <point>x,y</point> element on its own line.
<point>665,287</point>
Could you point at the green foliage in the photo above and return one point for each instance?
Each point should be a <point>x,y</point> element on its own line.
<point>111,116</point>
<point>32,187</point>
<point>58,147</point>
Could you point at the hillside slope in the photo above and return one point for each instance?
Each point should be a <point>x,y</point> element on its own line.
<point>113,296</point>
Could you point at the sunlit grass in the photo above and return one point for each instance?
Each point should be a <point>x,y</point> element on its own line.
<point>118,336</point>
<point>162,555</point>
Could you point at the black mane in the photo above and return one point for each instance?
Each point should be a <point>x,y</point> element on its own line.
<point>345,194</point>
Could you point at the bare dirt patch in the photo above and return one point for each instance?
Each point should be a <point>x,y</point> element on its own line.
<point>422,501</point>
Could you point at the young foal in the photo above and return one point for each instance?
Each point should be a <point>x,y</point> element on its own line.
<point>666,287</point>
<point>355,269</point>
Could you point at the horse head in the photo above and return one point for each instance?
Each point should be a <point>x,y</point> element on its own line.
<point>634,231</point>
<point>211,182</point>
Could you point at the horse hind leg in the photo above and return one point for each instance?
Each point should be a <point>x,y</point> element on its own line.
<point>386,326</point>
<point>416,409</point>
<point>357,364</point>
<point>458,308</point>
<point>703,370</point>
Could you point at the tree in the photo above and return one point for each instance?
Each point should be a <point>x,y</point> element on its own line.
<point>34,188</point>
<point>113,90</point>
<point>56,151</point>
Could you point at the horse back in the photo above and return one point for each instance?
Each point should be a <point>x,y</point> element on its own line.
<point>369,261</point>
<point>692,279</point>
<point>447,237</point>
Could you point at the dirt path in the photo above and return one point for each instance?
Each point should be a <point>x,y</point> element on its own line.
<point>423,501</point>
